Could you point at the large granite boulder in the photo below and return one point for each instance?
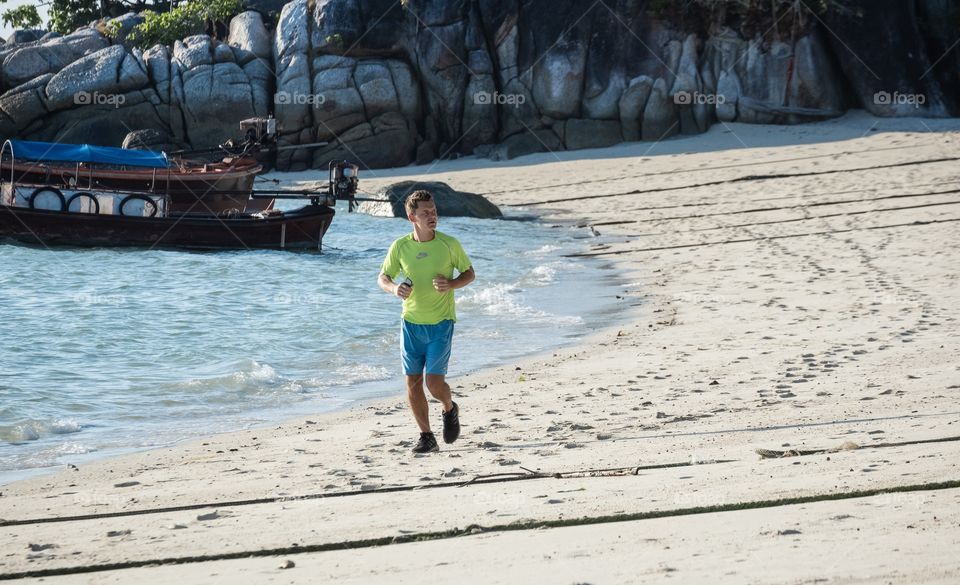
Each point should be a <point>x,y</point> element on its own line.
<point>248,32</point>
<point>123,25</point>
<point>269,9</point>
<point>385,83</point>
<point>660,117</point>
<point>938,19</point>
<point>291,42</point>
<point>883,54</point>
<point>728,94</point>
<point>450,203</point>
<point>98,78</point>
<point>631,105</point>
<point>82,88</point>
<point>22,36</point>
<point>151,139</point>
<point>23,105</point>
<point>214,91</point>
<point>21,65</point>
<point>586,133</point>
<point>524,143</point>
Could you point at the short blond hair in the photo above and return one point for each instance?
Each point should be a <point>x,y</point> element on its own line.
<point>414,199</point>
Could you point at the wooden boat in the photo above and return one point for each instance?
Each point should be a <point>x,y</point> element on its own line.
<point>67,212</point>
<point>301,229</point>
<point>189,184</point>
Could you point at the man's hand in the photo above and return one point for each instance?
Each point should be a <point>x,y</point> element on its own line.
<point>441,283</point>
<point>401,290</point>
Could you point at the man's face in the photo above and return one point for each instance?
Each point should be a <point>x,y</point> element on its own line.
<point>425,215</point>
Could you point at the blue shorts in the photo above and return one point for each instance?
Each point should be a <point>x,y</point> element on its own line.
<point>426,347</point>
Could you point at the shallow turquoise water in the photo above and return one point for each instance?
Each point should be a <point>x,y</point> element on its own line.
<point>112,350</point>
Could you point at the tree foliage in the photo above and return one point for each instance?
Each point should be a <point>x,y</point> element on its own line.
<point>25,16</point>
<point>190,18</point>
<point>165,20</point>
<point>67,16</point>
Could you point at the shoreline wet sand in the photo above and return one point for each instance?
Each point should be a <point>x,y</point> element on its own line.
<point>802,300</point>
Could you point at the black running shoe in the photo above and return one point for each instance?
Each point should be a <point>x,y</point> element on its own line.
<point>427,444</point>
<point>451,424</point>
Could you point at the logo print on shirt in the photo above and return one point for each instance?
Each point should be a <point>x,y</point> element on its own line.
<point>422,255</point>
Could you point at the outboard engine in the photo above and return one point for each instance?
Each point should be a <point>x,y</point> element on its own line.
<point>343,181</point>
<point>260,130</point>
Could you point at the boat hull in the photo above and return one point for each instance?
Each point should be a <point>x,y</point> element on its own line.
<point>301,229</point>
<point>210,188</point>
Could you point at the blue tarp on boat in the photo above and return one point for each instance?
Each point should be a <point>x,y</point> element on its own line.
<point>53,152</point>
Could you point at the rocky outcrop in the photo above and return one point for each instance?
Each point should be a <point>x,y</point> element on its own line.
<point>209,81</point>
<point>25,63</point>
<point>150,139</point>
<point>89,90</point>
<point>384,83</point>
<point>872,33</point>
<point>450,203</point>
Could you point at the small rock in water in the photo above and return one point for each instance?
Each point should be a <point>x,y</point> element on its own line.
<point>287,564</point>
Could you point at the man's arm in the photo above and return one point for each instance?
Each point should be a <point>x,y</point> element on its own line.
<point>386,283</point>
<point>443,284</point>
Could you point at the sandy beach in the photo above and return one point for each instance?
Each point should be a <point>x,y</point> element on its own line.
<point>792,290</point>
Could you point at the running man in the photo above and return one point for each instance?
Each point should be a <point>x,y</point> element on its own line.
<point>427,259</point>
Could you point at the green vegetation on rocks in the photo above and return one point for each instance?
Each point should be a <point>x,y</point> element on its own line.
<point>190,18</point>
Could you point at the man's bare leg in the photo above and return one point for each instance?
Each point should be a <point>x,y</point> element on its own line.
<point>438,387</point>
<point>418,402</point>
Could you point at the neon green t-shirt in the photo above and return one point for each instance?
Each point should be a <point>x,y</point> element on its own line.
<point>421,262</point>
